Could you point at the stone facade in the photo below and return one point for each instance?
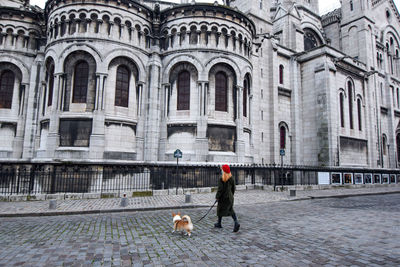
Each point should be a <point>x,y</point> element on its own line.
<point>135,80</point>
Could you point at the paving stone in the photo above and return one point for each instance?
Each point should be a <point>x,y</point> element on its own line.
<point>331,232</point>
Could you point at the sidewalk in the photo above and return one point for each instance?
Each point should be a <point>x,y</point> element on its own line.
<point>176,202</point>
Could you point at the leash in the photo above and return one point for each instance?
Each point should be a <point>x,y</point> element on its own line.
<point>208,211</point>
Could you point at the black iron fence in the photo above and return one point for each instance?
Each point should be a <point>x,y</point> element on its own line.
<point>32,179</point>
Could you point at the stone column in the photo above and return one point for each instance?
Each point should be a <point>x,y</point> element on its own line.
<point>30,103</point>
<point>53,137</point>
<point>141,123</point>
<point>230,43</point>
<point>234,43</point>
<point>240,150</point>
<point>220,40</point>
<point>201,145</point>
<point>97,138</point>
<point>152,108</point>
<point>164,118</point>
<point>77,26</point>
<point>2,39</point>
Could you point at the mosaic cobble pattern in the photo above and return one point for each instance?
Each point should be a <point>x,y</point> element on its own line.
<point>354,231</point>
<point>203,199</point>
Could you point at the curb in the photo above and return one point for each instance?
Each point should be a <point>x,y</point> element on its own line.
<point>80,212</point>
<point>355,195</point>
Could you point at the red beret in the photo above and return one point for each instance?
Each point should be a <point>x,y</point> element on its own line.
<point>226,168</point>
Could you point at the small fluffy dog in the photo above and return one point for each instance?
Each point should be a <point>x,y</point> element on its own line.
<point>182,224</point>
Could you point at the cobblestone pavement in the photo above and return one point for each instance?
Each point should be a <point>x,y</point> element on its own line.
<point>353,231</point>
<point>168,201</point>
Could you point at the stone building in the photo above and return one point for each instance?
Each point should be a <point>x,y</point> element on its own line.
<point>103,80</point>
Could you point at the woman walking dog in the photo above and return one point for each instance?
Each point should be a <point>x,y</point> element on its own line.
<point>225,198</point>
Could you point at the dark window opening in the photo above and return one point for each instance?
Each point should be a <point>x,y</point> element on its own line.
<point>122,87</point>
<point>350,89</point>
<point>341,101</point>
<point>351,5</point>
<point>81,79</point>
<point>311,39</point>
<point>245,98</point>
<point>281,68</point>
<point>75,133</point>
<point>51,86</point>
<point>7,79</point>
<point>359,114</point>
<point>282,131</point>
<point>398,146</point>
<point>183,91</point>
<point>221,92</point>
<point>384,144</point>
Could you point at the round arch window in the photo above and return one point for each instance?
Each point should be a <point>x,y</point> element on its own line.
<point>311,39</point>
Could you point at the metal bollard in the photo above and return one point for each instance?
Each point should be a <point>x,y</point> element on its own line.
<point>53,204</point>
<point>188,198</point>
<point>124,201</point>
<point>292,193</point>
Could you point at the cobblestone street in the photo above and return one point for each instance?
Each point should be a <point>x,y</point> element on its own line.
<point>353,231</point>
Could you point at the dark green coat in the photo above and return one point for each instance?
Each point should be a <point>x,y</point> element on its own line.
<point>225,193</point>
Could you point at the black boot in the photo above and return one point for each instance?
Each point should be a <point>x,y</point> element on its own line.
<point>218,224</point>
<point>237,225</point>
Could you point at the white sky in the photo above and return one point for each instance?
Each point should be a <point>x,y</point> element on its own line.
<point>324,5</point>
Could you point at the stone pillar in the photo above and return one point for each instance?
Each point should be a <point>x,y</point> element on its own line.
<point>323,111</point>
<point>77,26</point>
<point>141,123</point>
<point>230,42</point>
<point>201,145</point>
<point>164,118</point>
<point>53,138</point>
<point>240,149</point>
<point>152,108</point>
<point>220,40</point>
<point>99,23</point>
<point>295,107</point>
<point>28,117</point>
<point>97,138</point>
<point>2,39</point>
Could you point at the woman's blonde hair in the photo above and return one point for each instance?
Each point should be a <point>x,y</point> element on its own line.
<point>226,176</point>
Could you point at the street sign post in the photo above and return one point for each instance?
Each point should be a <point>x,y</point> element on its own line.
<point>177,154</point>
<point>282,153</point>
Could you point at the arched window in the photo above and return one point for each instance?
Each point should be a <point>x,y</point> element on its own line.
<point>7,79</point>
<point>51,86</point>
<point>81,78</point>
<point>341,103</point>
<point>311,39</point>
<point>282,132</point>
<point>122,87</point>
<point>359,114</point>
<point>350,91</point>
<point>281,68</point>
<point>398,97</point>
<point>398,146</point>
<point>184,91</point>
<point>221,92</point>
<point>245,89</point>
<point>384,144</point>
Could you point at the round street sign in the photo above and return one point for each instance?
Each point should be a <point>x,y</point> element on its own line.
<point>178,154</point>
<point>282,152</point>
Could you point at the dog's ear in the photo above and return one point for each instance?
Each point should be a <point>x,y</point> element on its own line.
<point>173,214</point>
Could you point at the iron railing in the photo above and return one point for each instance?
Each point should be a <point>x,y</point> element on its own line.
<point>34,178</point>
